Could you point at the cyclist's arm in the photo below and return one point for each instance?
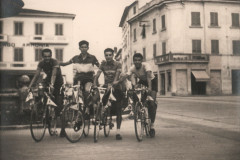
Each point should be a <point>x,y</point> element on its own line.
<point>35,77</point>
<point>65,63</point>
<point>95,62</point>
<point>54,75</point>
<point>118,72</point>
<point>149,80</point>
<point>96,77</point>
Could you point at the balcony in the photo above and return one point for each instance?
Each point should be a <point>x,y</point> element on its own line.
<point>18,65</point>
<point>49,39</point>
<point>182,58</point>
<point>3,38</point>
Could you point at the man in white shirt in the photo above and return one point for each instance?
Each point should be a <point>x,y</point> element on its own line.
<point>143,72</point>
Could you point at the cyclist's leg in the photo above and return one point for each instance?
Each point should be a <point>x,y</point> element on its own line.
<point>118,95</point>
<point>152,107</point>
<point>59,101</point>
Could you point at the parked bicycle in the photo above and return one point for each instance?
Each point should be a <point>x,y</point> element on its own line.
<point>42,112</point>
<point>142,121</point>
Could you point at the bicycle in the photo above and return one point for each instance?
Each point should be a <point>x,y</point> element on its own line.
<point>102,114</point>
<point>73,113</point>
<point>42,112</point>
<point>142,121</point>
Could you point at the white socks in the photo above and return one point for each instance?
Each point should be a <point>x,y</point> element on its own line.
<point>118,131</point>
<point>152,125</point>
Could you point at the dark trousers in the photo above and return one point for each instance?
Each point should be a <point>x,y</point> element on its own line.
<point>116,105</point>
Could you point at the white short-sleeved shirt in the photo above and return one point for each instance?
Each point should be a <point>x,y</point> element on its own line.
<point>141,73</point>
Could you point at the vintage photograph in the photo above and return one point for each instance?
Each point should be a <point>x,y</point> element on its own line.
<point>120,79</point>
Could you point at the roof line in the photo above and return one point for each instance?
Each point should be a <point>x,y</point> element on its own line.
<point>177,1</point>
<point>31,13</point>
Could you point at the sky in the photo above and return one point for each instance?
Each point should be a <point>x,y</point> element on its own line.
<point>96,21</point>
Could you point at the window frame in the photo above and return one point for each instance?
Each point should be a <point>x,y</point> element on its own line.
<point>196,46</point>
<point>18,56</point>
<point>1,27</point>
<point>37,28</point>
<point>134,35</point>
<point>57,53</point>
<point>154,50</point>
<point>154,26</point>
<point>163,22</point>
<point>236,47</point>
<point>144,54</point>
<point>17,31</point>
<point>1,54</point>
<point>38,54</point>
<point>235,20</point>
<point>215,47</point>
<point>214,19</point>
<point>59,31</point>
<point>195,19</point>
<point>164,51</point>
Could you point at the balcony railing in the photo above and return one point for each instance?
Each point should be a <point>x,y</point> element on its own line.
<point>18,65</point>
<point>49,39</point>
<point>181,58</point>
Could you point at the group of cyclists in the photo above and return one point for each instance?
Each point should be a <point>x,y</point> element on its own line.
<point>113,80</point>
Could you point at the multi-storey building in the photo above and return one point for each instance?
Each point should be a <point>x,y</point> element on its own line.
<point>193,44</point>
<point>22,38</point>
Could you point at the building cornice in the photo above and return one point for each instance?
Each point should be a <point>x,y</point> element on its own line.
<point>151,5</point>
<point>125,13</point>
<point>39,13</point>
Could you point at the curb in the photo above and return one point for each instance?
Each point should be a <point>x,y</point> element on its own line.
<point>17,127</point>
<point>14,127</point>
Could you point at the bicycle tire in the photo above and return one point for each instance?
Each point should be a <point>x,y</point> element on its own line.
<point>96,124</point>
<point>147,122</point>
<point>86,127</point>
<point>138,122</point>
<point>54,127</point>
<point>38,122</point>
<point>107,121</point>
<point>74,124</point>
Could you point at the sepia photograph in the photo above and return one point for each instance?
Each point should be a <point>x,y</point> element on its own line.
<point>120,79</point>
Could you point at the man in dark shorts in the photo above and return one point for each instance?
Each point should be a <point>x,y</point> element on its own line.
<point>143,72</point>
<point>54,79</point>
<point>111,70</point>
<point>83,66</point>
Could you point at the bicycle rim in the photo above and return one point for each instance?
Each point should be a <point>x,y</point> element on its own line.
<point>86,128</point>
<point>107,122</point>
<point>138,123</point>
<point>96,131</point>
<point>38,122</point>
<point>74,125</point>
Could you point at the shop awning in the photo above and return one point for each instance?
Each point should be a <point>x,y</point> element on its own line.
<point>201,76</point>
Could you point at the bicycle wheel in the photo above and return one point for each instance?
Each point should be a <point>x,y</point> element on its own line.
<point>138,122</point>
<point>86,127</point>
<point>74,124</point>
<point>96,124</point>
<point>54,123</point>
<point>107,122</point>
<point>38,122</point>
<point>147,122</point>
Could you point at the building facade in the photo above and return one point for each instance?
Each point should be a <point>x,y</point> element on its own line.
<point>22,38</point>
<point>193,45</point>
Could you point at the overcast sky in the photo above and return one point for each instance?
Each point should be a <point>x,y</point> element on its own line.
<point>96,21</point>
